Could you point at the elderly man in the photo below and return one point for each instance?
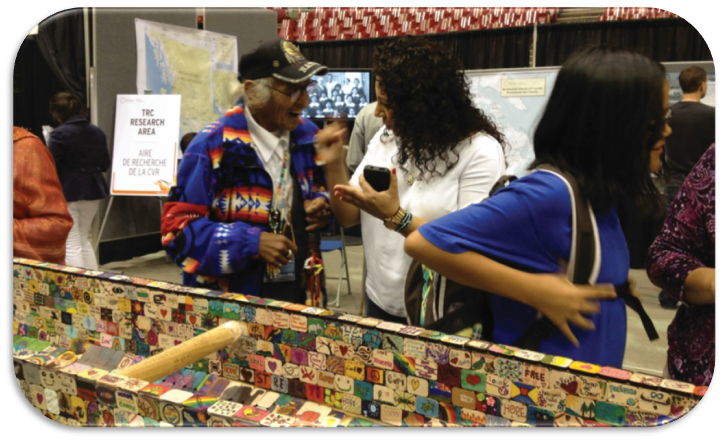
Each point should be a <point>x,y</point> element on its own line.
<point>248,189</point>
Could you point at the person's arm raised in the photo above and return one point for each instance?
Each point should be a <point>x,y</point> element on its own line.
<point>330,149</point>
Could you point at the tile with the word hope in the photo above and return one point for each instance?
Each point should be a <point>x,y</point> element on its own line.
<point>351,403</point>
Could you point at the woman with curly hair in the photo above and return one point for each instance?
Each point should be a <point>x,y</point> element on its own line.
<point>443,153</point>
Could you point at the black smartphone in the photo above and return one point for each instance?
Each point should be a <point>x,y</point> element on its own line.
<point>378,177</point>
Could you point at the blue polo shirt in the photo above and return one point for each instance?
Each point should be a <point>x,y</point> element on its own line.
<point>528,226</point>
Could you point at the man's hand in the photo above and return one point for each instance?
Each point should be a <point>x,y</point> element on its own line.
<point>330,145</point>
<point>317,214</point>
<point>276,249</point>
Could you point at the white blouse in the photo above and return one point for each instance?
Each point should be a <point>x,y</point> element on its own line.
<point>481,163</point>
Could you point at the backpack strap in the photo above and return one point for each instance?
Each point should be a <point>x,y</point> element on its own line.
<point>584,264</point>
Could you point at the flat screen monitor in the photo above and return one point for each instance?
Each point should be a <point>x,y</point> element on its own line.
<point>341,93</point>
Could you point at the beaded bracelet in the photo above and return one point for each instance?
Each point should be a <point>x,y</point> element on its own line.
<point>406,221</point>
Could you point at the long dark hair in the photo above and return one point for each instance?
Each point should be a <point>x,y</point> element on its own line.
<point>64,105</point>
<point>603,117</point>
<point>428,92</point>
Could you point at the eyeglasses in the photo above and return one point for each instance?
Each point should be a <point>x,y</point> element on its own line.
<point>296,94</point>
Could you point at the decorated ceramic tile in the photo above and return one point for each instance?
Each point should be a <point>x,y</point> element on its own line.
<point>307,374</point>
<point>437,352</point>
<point>427,407</point>
<point>418,386</point>
<point>354,369</point>
<point>336,365</point>
<point>648,380</point>
<point>426,369</point>
<point>449,375</point>
<point>353,335</point>
<point>556,361</point>
<point>593,388</point>
<point>299,357</point>
<point>513,411</point>
<point>393,343</point>
<point>552,400</point>
<point>298,322</point>
<point>464,398</point>
<point>390,326</point>
<point>333,331</point>
<point>404,365</point>
<point>623,395</point>
<point>324,346</point>
<point>273,366</point>
<point>395,380</point>
<point>391,415</point>
<point>617,374</point>
<point>580,407</point>
<point>535,375</point>
<point>657,402</point>
<point>350,318</point>
<point>461,359</point>
<point>473,418</point>
<point>344,384</point>
<point>325,379</point>
<point>363,390</point>
<point>677,386</point>
<point>588,368</point>
<point>440,392</point>
<point>351,404</point>
<point>374,375</point>
<point>415,348</point>
<point>509,368</point>
<point>474,380</point>
<point>405,401</point>
<point>498,386</point>
<point>566,381</point>
<point>277,420</point>
<point>363,354</point>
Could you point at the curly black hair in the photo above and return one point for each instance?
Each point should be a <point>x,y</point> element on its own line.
<point>429,94</point>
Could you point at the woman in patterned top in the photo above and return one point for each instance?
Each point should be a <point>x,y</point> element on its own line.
<point>682,262</point>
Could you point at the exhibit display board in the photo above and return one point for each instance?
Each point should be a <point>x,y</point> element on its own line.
<point>77,332</point>
<point>145,144</point>
<point>515,99</point>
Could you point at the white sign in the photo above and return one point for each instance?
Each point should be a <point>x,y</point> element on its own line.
<point>145,146</point>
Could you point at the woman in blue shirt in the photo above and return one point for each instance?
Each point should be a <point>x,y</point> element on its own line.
<point>605,124</point>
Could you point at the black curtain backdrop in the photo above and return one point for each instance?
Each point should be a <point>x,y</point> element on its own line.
<point>33,85</point>
<point>61,41</point>
<point>662,39</point>
<point>486,49</point>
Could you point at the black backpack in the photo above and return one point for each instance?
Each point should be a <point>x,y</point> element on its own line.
<point>433,302</point>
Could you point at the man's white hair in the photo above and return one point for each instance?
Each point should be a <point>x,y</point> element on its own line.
<point>258,95</point>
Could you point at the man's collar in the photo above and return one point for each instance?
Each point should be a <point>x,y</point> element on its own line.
<point>266,142</point>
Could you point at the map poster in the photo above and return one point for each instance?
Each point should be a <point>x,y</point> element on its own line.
<point>514,99</point>
<point>201,66</point>
<point>145,144</point>
<point>523,87</point>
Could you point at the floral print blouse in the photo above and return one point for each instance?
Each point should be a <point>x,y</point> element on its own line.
<point>687,242</point>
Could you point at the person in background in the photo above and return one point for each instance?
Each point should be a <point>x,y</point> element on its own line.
<point>366,125</point>
<point>186,140</point>
<point>605,124</point>
<point>350,104</point>
<point>313,105</point>
<point>81,156</point>
<point>682,262</point>
<point>693,125</point>
<point>355,96</point>
<point>442,152</point>
<point>328,109</point>
<point>346,88</point>
<point>244,177</point>
<point>41,221</point>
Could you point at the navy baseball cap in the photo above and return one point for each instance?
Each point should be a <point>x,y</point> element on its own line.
<point>280,59</point>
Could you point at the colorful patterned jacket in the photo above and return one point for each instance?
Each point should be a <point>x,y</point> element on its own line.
<point>220,204</point>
